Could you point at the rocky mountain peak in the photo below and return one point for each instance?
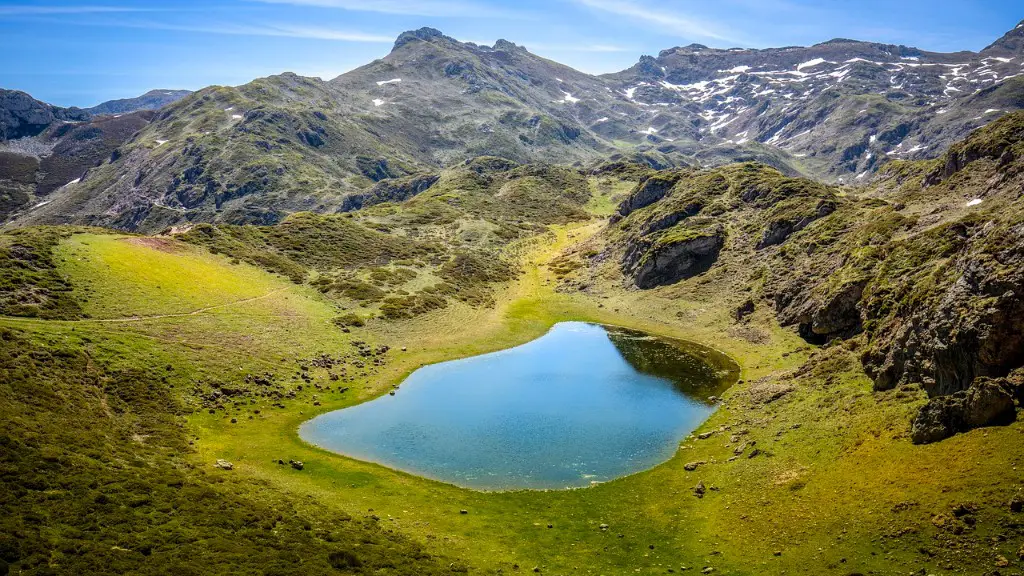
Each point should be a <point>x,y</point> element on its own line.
<point>1011,43</point>
<point>425,34</point>
<point>503,44</point>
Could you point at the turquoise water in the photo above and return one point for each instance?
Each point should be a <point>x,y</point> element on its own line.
<point>584,403</point>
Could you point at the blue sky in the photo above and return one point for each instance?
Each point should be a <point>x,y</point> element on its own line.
<point>82,53</point>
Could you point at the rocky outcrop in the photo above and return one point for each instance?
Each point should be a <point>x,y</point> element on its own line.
<point>994,143</point>
<point>648,192</point>
<point>969,328</point>
<point>398,190</point>
<point>986,403</point>
<point>779,230</point>
<point>669,260</point>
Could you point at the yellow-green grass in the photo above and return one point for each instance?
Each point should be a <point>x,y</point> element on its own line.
<point>844,492</point>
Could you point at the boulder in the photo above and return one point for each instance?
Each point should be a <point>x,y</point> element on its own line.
<point>988,402</point>
<point>224,465</point>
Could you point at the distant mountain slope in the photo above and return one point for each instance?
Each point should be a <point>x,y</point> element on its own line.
<point>152,100</point>
<point>44,147</point>
<point>844,106</point>
<point>254,153</point>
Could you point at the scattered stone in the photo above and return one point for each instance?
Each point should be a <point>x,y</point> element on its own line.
<point>691,466</point>
<point>234,420</point>
<point>224,465</point>
<point>297,464</point>
<point>744,310</point>
<point>1002,562</point>
<point>699,489</point>
<point>1017,502</point>
<point>463,511</point>
<point>706,435</point>
<point>603,527</point>
<point>740,449</point>
<point>754,453</point>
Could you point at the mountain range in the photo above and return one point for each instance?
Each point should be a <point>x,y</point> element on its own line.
<point>836,111</point>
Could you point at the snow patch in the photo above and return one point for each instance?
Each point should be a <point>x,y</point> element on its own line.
<point>568,99</point>
<point>650,131</point>
<point>736,70</point>
<point>158,143</point>
<point>810,63</point>
<point>602,119</point>
<point>392,81</point>
<point>991,110</point>
<point>236,116</point>
<point>974,202</point>
<point>378,102</point>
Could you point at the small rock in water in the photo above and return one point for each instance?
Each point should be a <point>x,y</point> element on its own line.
<point>224,464</point>
<point>391,393</point>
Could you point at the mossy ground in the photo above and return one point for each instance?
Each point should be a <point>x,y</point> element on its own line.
<point>837,487</point>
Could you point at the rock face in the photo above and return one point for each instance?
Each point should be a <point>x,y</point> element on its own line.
<point>672,260</point>
<point>648,192</point>
<point>986,403</point>
<point>391,190</point>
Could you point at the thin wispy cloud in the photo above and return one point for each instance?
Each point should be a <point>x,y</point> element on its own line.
<point>36,10</point>
<point>681,24</point>
<point>227,29</point>
<point>435,8</point>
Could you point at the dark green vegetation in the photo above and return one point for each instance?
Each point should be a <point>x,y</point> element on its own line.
<point>30,284</point>
<point>96,478</point>
<point>409,258</point>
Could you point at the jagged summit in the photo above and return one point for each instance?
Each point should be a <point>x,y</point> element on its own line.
<point>425,34</point>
